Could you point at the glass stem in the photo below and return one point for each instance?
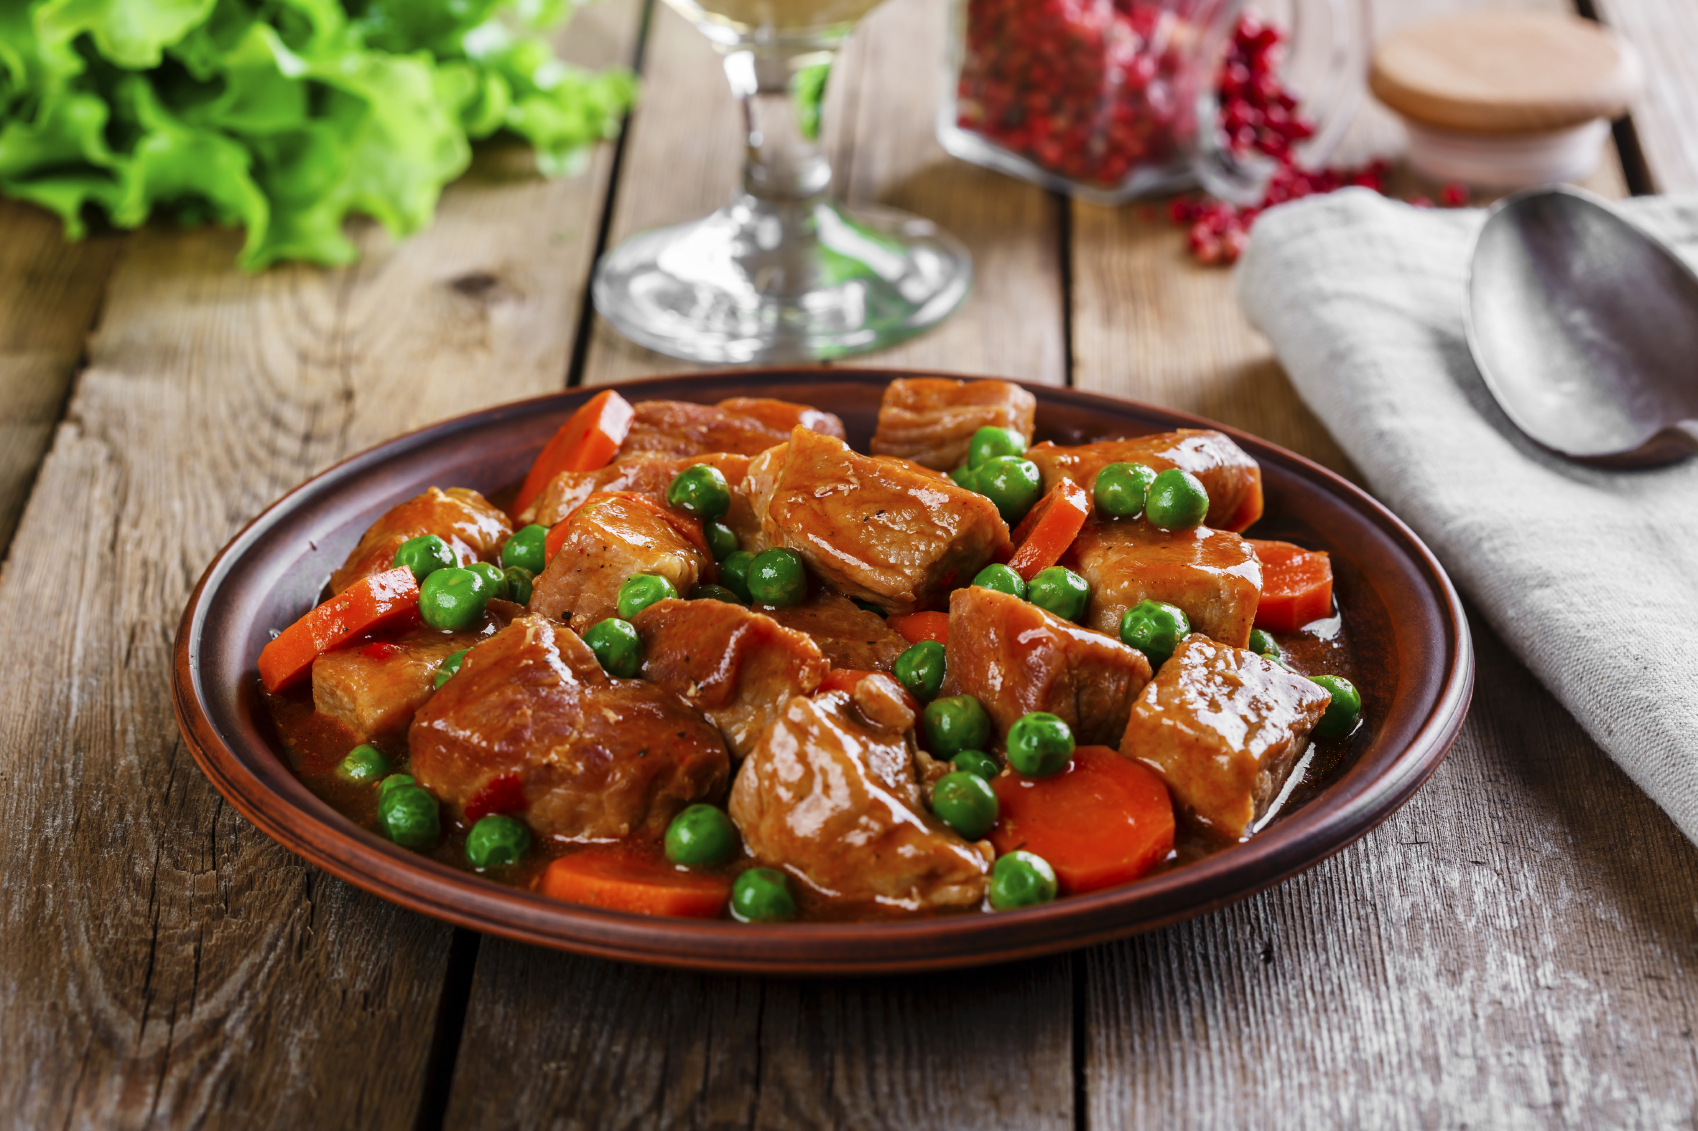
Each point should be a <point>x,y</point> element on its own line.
<point>782,163</point>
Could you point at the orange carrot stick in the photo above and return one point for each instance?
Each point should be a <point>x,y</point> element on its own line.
<point>370,603</point>
<point>1049,528</point>
<point>643,883</point>
<point>1102,821</point>
<point>915,627</point>
<point>588,440</point>
<point>1296,586</point>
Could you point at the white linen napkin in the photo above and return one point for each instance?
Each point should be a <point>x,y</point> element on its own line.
<point>1590,576</point>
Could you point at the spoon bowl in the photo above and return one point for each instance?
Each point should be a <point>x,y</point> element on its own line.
<point>1585,329</point>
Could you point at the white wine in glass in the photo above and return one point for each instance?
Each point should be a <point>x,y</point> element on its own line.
<point>783,273</point>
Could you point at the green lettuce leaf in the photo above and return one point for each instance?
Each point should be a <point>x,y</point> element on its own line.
<point>282,116</point>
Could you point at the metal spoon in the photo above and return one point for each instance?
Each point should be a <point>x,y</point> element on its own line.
<point>1586,330</point>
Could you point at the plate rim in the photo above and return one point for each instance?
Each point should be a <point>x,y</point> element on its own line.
<point>1297,843</point>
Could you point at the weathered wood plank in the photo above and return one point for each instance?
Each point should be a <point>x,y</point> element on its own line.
<point>554,1041</point>
<point>1517,947</point>
<point>50,294</point>
<point>166,965</point>
<point>684,158</point>
<point>1665,32</point>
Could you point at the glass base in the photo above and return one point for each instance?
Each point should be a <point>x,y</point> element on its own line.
<point>766,281</point>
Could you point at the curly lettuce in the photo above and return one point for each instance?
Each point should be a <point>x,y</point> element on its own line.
<point>282,116</point>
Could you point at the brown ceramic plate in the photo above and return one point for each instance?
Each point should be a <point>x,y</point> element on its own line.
<point>1406,623</point>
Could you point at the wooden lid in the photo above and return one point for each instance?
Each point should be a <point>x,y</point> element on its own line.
<point>1505,72</point>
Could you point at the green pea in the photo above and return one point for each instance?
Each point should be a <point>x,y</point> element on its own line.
<point>955,724</point>
<point>493,577</point>
<point>394,781</point>
<point>1344,709</point>
<point>762,895</point>
<point>362,765</point>
<point>966,803</point>
<point>1060,591</point>
<point>920,670</point>
<point>423,555</point>
<point>714,593</point>
<point>409,816</point>
<point>776,577</point>
<point>1040,744</point>
<point>616,644</point>
<point>450,667</point>
<point>990,442</point>
<point>1021,879</point>
<point>519,584</point>
<point>976,762</point>
<point>641,590</point>
<point>527,549</point>
<point>497,841</point>
<point>701,834</point>
<point>1012,483</point>
<point>700,491</point>
<point>1263,644</point>
<point>1122,488</point>
<point>1155,629</point>
<point>1177,501</point>
<point>453,599</point>
<point>734,573</point>
<point>721,540</point>
<point>1002,579</point>
<point>965,476</point>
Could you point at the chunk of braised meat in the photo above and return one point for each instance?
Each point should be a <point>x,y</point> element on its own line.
<point>373,688</point>
<point>567,491</point>
<point>931,420</point>
<point>785,416</point>
<point>607,539</point>
<point>734,665</point>
<point>1212,575</point>
<point>473,528</point>
<point>831,796</point>
<point>669,429</point>
<point>1222,726</point>
<point>1232,479</point>
<point>849,637</point>
<point>869,528</point>
<point>531,717</point>
<point>1015,658</point>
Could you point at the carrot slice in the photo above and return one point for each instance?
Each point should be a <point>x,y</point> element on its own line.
<point>847,679</point>
<point>587,440</point>
<point>689,528</point>
<point>1049,528</point>
<point>368,604</point>
<point>1102,821</point>
<point>644,883</point>
<point>1296,586</point>
<point>915,627</point>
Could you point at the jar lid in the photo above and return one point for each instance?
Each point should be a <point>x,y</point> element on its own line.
<point>1505,72</point>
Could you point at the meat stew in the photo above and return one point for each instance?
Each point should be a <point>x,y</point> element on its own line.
<point>772,682</point>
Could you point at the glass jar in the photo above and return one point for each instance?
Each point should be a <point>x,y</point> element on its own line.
<point>1109,100</point>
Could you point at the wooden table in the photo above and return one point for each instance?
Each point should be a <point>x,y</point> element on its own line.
<point>1517,947</point>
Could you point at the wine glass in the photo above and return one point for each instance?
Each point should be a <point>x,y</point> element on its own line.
<point>783,273</point>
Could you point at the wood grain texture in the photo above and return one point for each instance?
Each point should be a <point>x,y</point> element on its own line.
<point>683,159</point>
<point>625,1046</point>
<point>1665,117</point>
<point>1517,947</point>
<point>166,965</point>
<point>50,294</point>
